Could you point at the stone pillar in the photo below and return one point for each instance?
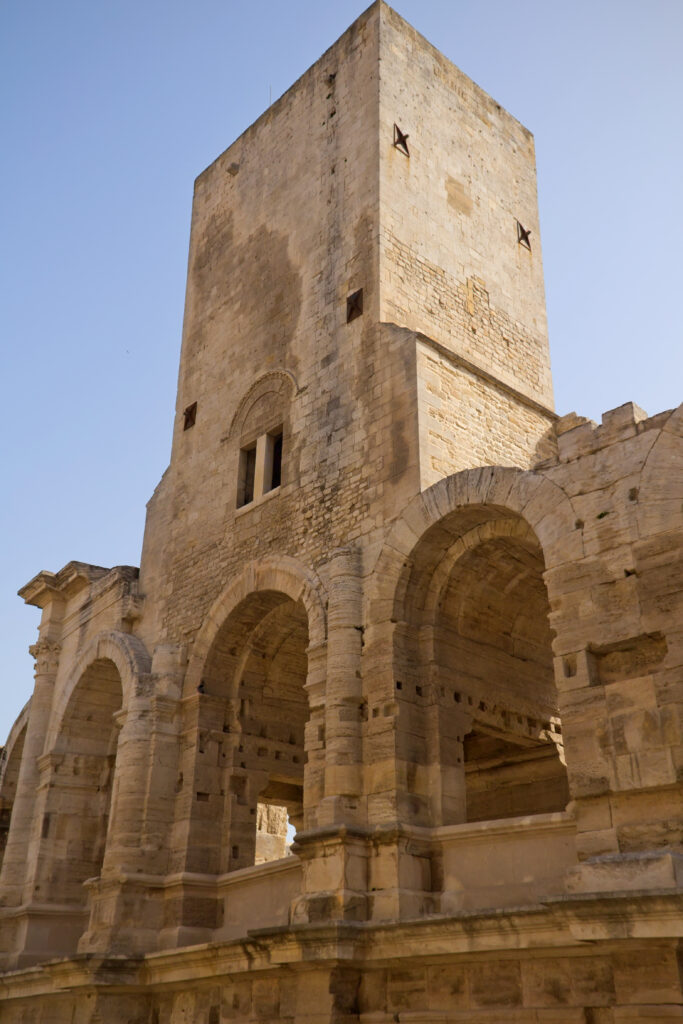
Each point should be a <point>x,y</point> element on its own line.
<point>333,849</point>
<point>126,902</point>
<point>384,774</point>
<point>19,851</point>
<point>314,741</point>
<point>199,837</point>
<point>343,692</point>
<point>124,851</point>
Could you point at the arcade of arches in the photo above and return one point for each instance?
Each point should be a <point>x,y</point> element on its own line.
<point>405,724</point>
<point>473,666</point>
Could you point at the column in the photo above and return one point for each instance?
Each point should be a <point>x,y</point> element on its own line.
<point>343,692</point>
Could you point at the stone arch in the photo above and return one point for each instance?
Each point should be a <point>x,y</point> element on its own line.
<point>459,595</point>
<point>77,785</point>
<point>78,772</point>
<point>127,652</point>
<point>543,505</point>
<point>278,385</point>
<point>493,528</point>
<point>249,691</point>
<point>282,575</point>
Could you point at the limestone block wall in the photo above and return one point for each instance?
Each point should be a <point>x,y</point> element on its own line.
<point>451,264</point>
<point>426,688</point>
<point>617,615</point>
<point>462,972</point>
<point>466,419</point>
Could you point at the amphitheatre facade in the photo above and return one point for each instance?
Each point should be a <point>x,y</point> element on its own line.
<point>387,599</point>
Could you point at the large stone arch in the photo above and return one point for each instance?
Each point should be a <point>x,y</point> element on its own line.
<point>284,575</point>
<point>127,652</point>
<point>541,504</point>
<point>252,685</point>
<point>460,632</point>
<point>78,770</point>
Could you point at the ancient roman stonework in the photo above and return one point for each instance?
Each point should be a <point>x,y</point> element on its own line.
<point>386,596</point>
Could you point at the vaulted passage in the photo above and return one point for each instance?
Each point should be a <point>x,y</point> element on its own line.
<point>474,660</point>
<point>75,794</point>
<point>74,827</point>
<point>493,649</point>
<point>249,774</point>
<point>273,712</point>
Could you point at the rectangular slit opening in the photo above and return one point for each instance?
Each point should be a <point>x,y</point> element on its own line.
<point>247,475</point>
<point>273,467</point>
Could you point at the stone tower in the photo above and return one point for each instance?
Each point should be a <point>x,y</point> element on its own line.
<point>440,363</point>
<point>385,597</point>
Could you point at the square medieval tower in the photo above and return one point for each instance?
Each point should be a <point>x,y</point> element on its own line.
<point>365,282</point>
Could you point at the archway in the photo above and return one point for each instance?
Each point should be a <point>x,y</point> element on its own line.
<point>493,658</point>
<point>273,711</point>
<point>252,752</point>
<point>81,769</point>
<point>478,734</point>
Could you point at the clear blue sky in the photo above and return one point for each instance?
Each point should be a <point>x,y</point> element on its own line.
<point>109,111</point>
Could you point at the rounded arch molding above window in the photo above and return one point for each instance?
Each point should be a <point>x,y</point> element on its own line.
<point>257,432</point>
<point>265,401</point>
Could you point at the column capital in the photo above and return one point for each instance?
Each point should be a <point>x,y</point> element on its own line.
<point>46,654</point>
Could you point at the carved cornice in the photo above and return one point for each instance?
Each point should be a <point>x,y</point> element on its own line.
<point>47,586</point>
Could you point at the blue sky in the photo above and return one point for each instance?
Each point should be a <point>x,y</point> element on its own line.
<point>109,112</point>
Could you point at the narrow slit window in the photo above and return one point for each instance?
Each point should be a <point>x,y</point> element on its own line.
<point>190,416</point>
<point>247,475</point>
<point>354,306</point>
<point>273,475</point>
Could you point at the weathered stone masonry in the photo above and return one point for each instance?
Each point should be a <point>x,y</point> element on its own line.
<point>385,596</point>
